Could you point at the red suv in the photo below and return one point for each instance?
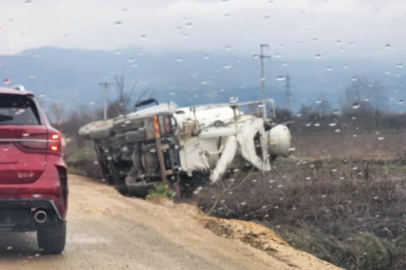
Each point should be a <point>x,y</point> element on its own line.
<point>33,174</point>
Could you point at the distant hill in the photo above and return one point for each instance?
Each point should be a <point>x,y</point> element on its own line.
<point>72,75</point>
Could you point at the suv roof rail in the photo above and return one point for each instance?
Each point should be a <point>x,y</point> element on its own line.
<point>19,88</point>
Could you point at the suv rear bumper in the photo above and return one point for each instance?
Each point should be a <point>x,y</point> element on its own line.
<point>18,214</point>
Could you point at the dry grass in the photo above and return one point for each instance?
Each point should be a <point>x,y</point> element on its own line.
<point>350,213</point>
<point>383,146</point>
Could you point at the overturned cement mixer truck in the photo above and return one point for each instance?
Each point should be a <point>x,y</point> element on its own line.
<point>185,146</point>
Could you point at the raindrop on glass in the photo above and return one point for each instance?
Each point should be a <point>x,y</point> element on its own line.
<point>280,78</point>
<point>318,56</point>
<point>118,23</point>
<point>329,68</point>
<point>131,60</point>
<point>228,48</point>
<point>399,65</point>
<point>388,46</point>
<point>226,66</point>
<point>355,105</point>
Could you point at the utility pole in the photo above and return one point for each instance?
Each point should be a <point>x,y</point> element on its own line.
<point>288,93</point>
<point>105,87</point>
<point>262,57</point>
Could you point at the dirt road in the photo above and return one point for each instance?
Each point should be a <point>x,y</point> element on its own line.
<point>109,231</point>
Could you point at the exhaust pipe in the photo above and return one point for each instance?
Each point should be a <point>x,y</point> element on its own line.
<point>40,216</point>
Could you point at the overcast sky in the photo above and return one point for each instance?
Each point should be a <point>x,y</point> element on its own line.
<point>293,28</point>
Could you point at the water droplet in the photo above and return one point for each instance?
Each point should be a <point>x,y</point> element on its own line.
<point>228,48</point>
<point>226,66</point>
<point>172,94</point>
<point>143,37</point>
<point>91,103</point>
<point>267,17</point>
<point>233,99</point>
<point>117,52</point>
<point>400,101</point>
<point>338,41</point>
<point>118,23</point>
<point>206,57</point>
<point>179,60</point>
<point>355,105</point>
<point>345,66</point>
<point>189,24</point>
<point>28,2</point>
<point>278,55</point>
<point>318,101</point>
<point>337,130</point>
<point>131,60</point>
<point>315,40</point>
<point>388,46</point>
<point>329,68</point>
<point>399,65</point>
<point>32,76</point>
<point>280,78</point>
<point>354,79</point>
<point>333,124</point>
<point>226,15</point>
<point>7,81</point>
<point>317,124</point>
<point>381,138</point>
<point>318,56</point>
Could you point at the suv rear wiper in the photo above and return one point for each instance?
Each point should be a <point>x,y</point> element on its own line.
<point>4,118</point>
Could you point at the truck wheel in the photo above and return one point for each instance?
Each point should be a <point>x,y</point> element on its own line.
<point>52,238</point>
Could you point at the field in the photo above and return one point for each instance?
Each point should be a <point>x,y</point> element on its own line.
<point>341,198</point>
<point>357,145</point>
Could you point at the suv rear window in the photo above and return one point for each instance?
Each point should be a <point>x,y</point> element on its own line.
<point>18,110</point>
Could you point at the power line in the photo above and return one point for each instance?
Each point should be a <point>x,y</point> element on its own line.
<point>105,87</point>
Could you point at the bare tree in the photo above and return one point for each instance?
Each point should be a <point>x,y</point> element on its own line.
<point>57,110</point>
<point>124,94</point>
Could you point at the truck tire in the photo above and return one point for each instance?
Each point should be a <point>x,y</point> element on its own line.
<point>52,238</point>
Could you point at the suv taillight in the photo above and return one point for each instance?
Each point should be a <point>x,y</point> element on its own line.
<point>51,143</point>
<point>54,143</point>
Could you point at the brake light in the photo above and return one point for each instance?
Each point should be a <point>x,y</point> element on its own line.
<point>50,143</point>
<point>55,143</point>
